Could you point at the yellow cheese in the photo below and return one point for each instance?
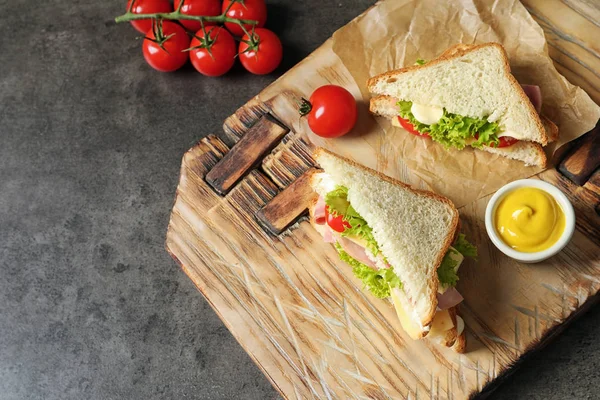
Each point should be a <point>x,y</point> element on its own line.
<point>442,322</point>
<point>409,326</point>
<point>513,134</point>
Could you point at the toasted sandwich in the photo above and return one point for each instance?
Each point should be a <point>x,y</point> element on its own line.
<point>402,244</point>
<point>467,97</point>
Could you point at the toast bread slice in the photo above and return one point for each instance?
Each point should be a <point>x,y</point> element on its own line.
<point>468,80</point>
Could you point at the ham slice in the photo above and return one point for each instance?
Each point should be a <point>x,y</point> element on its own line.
<point>320,217</point>
<point>535,96</point>
<point>449,298</point>
<point>328,235</point>
<point>356,251</point>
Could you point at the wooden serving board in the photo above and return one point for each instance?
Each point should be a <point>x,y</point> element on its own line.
<point>237,230</point>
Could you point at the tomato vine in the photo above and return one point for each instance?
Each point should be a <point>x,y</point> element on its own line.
<point>178,15</point>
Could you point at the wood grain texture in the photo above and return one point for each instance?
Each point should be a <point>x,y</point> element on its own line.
<point>584,159</point>
<point>288,205</point>
<point>593,183</point>
<point>297,309</point>
<point>309,325</point>
<point>263,136</point>
<point>572,28</point>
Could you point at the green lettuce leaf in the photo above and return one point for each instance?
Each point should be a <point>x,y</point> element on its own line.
<point>379,282</point>
<point>337,201</point>
<point>420,61</point>
<point>454,130</point>
<point>464,247</point>
<point>446,272</point>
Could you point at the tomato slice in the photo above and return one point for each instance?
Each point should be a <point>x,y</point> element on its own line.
<point>505,141</point>
<point>410,128</point>
<point>336,223</point>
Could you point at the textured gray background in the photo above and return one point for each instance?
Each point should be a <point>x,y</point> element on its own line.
<point>91,306</point>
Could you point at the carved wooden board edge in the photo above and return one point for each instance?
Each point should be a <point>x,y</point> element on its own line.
<point>261,186</point>
<point>252,356</point>
<point>212,149</point>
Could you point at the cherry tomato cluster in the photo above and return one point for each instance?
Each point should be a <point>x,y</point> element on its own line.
<point>211,48</point>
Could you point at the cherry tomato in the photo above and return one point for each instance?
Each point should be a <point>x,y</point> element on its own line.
<point>215,55</point>
<point>331,111</point>
<point>410,128</point>
<point>198,7</point>
<point>245,9</point>
<point>169,56</point>
<point>262,53</point>
<point>336,222</point>
<point>148,7</point>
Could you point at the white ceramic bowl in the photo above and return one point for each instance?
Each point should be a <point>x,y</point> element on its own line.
<point>560,198</point>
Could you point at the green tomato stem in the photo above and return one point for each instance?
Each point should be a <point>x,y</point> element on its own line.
<point>176,15</point>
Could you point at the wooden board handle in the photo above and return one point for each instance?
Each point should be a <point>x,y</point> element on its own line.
<point>288,205</point>
<point>581,162</point>
<point>259,140</point>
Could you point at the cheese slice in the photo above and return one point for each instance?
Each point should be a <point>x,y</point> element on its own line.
<point>513,134</point>
<point>408,324</point>
<point>442,322</point>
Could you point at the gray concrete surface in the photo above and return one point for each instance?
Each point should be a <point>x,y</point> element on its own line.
<point>91,306</point>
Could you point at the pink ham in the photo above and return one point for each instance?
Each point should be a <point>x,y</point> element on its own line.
<point>356,251</point>
<point>320,217</point>
<point>450,298</point>
<point>328,235</point>
<point>535,96</point>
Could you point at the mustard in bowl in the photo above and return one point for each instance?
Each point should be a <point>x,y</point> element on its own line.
<point>529,220</point>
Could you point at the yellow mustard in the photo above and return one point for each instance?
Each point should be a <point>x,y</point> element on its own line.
<point>529,220</point>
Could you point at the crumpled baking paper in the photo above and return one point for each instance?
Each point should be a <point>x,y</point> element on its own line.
<point>393,34</point>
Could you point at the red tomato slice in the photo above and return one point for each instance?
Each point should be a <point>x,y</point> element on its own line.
<point>505,141</point>
<point>410,128</point>
<point>336,223</point>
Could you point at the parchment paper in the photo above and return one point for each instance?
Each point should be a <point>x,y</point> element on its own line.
<point>393,34</point>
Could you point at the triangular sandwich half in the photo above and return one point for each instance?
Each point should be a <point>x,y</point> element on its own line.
<point>467,97</point>
<point>398,241</point>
